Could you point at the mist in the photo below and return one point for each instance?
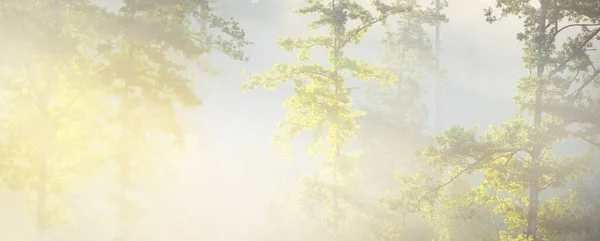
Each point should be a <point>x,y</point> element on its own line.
<point>212,171</point>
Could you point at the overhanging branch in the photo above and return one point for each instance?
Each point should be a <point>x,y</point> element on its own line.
<point>565,62</point>
<point>470,167</point>
<point>588,140</point>
<point>575,25</point>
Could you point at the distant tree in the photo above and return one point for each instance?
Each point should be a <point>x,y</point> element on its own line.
<point>51,100</point>
<point>394,126</point>
<point>145,60</point>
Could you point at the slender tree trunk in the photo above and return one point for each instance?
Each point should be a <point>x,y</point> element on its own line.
<point>124,165</point>
<point>47,132</point>
<point>42,190</point>
<point>41,199</point>
<point>438,84</point>
<point>536,152</point>
<point>336,49</point>
<point>124,175</point>
<point>123,217</point>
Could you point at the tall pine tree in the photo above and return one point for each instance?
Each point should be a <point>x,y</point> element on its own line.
<point>323,105</point>
<point>516,158</point>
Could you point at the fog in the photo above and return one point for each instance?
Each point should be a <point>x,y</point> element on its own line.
<point>227,183</point>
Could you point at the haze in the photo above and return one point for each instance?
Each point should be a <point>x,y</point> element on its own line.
<point>226,182</point>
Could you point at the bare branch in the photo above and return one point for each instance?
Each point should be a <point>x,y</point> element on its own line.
<point>522,159</point>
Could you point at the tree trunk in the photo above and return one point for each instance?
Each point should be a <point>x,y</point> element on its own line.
<point>536,152</point>
<point>122,207</point>
<point>41,200</point>
<point>337,87</point>
<point>438,84</point>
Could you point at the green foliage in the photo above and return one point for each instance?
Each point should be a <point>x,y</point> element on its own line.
<point>575,216</point>
<point>322,104</point>
<point>518,153</point>
<point>498,156</point>
<point>84,86</point>
<point>571,77</point>
<point>50,101</point>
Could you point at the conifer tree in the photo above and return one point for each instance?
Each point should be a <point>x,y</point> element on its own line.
<point>516,158</point>
<point>323,105</point>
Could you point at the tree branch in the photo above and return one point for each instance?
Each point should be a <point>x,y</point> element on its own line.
<point>471,166</point>
<point>358,30</point>
<point>584,138</point>
<point>576,93</point>
<point>564,63</point>
<point>209,45</point>
<point>575,25</point>
<point>510,158</point>
<point>521,158</point>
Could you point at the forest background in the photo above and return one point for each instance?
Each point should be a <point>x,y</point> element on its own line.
<point>208,172</point>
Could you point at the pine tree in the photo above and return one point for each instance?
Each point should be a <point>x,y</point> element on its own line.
<point>323,105</point>
<point>516,158</point>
